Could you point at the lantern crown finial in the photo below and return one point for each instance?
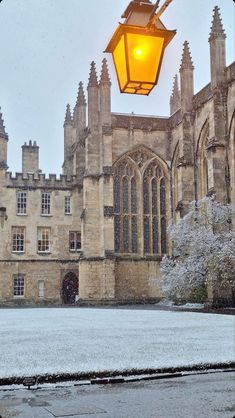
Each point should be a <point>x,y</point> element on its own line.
<point>186,62</point>
<point>217,30</point>
<point>104,77</point>
<point>68,116</point>
<point>138,46</point>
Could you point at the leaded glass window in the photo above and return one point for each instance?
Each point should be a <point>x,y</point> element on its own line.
<point>153,188</point>
<point>139,189</point>
<point>125,209</point>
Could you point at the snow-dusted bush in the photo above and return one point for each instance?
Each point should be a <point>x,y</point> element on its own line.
<point>203,248</point>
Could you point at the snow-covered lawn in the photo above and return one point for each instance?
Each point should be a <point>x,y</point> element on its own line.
<point>40,341</point>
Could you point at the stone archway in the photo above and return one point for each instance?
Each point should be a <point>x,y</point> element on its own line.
<point>70,288</point>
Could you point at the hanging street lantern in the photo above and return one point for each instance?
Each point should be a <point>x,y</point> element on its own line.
<point>138,46</point>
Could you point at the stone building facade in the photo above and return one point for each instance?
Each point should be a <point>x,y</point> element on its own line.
<point>98,233</point>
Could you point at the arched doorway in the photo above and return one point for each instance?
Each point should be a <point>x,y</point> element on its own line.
<point>69,288</point>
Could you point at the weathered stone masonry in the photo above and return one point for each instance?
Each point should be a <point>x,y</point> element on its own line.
<point>125,178</point>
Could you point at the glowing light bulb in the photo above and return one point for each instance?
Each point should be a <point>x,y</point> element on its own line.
<point>138,52</point>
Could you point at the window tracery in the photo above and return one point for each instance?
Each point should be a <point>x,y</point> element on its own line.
<point>140,206</point>
<point>125,209</point>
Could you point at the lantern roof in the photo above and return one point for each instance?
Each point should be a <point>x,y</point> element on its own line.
<point>143,5</point>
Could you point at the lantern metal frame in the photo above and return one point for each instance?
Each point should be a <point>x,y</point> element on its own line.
<point>123,29</point>
<point>154,28</point>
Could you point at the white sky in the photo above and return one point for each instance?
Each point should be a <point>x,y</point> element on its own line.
<point>47,47</point>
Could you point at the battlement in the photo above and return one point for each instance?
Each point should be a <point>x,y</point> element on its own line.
<point>40,181</point>
<point>31,144</point>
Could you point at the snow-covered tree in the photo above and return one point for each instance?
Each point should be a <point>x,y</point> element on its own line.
<point>203,249</point>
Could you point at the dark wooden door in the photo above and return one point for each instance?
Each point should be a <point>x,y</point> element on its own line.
<point>70,288</point>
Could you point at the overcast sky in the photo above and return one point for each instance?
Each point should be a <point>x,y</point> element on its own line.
<point>46,47</point>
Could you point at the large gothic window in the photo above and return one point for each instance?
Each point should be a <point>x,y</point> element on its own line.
<point>140,205</point>
<point>154,210</point>
<point>125,209</point>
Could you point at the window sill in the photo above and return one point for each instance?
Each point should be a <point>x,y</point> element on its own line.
<point>75,251</point>
<point>68,214</point>
<point>18,252</point>
<point>44,252</point>
<point>47,215</point>
<point>18,297</point>
<point>21,214</point>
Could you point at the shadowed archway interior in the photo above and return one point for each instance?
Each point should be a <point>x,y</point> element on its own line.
<point>70,289</point>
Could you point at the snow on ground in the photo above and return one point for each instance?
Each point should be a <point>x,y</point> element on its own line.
<point>72,340</point>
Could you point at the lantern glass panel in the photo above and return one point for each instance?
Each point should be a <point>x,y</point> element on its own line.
<point>144,56</point>
<point>119,56</point>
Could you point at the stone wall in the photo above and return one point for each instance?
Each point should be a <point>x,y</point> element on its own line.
<point>51,272</point>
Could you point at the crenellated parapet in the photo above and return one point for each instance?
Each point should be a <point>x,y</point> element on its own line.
<point>40,181</point>
<point>146,123</point>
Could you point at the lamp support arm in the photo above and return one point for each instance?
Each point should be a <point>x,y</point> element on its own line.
<point>155,16</point>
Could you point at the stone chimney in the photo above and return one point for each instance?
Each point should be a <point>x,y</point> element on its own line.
<point>30,158</point>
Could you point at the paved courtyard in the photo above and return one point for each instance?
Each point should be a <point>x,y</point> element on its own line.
<point>195,396</point>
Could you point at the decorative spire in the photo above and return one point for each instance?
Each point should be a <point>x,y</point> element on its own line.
<point>68,117</point>
<point>3,133</point>
<point>104,77</point>
<point>186,62</point>
<point>93,82</point>
<point>81,100</point>
<point>175,90</point>
<point>175,96</point>
<point>217,30</point>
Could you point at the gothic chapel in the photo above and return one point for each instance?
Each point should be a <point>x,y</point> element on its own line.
<point>98,233</point>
